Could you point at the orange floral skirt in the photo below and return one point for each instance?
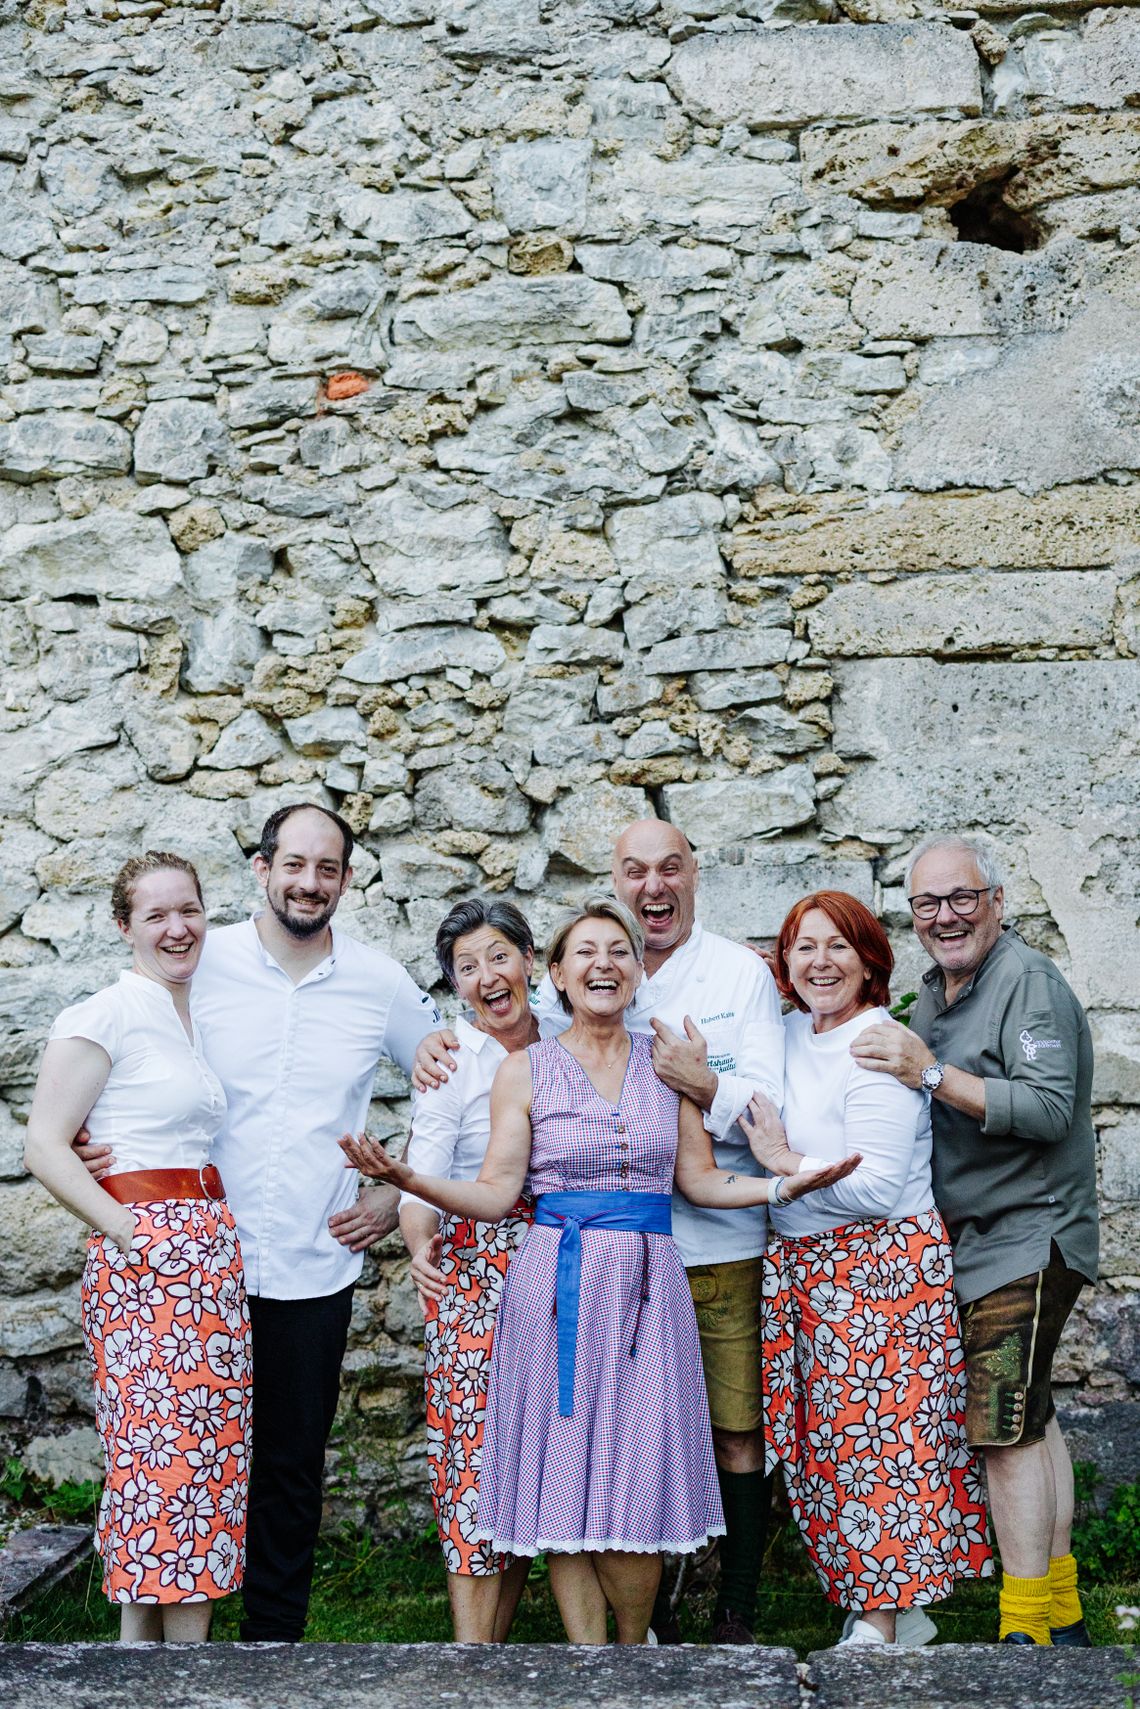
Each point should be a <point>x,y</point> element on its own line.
<point>168,1337</point>
<point>457,1345</point>
<point>864,1407</point>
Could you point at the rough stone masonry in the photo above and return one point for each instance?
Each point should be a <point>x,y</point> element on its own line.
<point>499,418</point>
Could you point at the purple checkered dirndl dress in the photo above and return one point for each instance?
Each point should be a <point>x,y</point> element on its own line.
<point>632,1468</point>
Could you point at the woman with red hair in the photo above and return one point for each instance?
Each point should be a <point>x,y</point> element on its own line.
<point>864,1381</point>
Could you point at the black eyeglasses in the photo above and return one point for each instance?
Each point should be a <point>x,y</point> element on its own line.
<point>962,902</point>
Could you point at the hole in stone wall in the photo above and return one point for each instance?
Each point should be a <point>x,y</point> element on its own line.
<point>983,216</point>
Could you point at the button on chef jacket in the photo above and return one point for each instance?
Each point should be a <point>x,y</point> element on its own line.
<point>297,1063</point>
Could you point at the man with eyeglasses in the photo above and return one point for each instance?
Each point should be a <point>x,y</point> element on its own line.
<point>1003,1047</point>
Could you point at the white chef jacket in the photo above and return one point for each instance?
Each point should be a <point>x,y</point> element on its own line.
<point>297,1063</point>
<point>451,1124</point>
<point>731,998</point>
<point>161,1105</point>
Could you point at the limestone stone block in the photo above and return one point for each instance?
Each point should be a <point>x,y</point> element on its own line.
<point>715,690</point>
<point>77,179</point>
<point>249,741</point>
<point>76,798</point>
<point>1116,1059</point>
<point>415,549</point>
<point>62,442</point>
<point>41,1244</point>
<point>662,615</point>
<point>69,728</point>
<point>746,891</point>
<point>723,810</point>
<point>419,652</point>
<point>947,614</point>
<point>962,290</point>
<point>771,730</point>
<point>221,651</point>
<point>988,740</point>
<point>166,744</point>
<point>508,312</point>
<point>1104,70</point>
<point>76,1457</point>
<point>705,192</point>
<point>769,78</point>
<point>404,216</point>
<point>1078,157</point>
<point>542,184</point>
<point>173,282</point>
<point>645,259</point>
<point>1118,1148</point>
<point>44,1322</point>
<point>233,331</point>
<point>573,644</point>
<point>63,352</point>
<point>548,703</point>
<point>25,306</point>
<point>671,542</point>
<point>328,731</point>
<point>480,794</point>
<point>261,46</point>
<point>179,440</point>
<point>583,825</point>
<point>1054,410</point>
<point>21,846</point>
<point>727,650</point>
<point>1073,528</point>
<point>269,402</point>
<point>11,1145</point>
<point>142,342</point>
<point>409,870</point>
<point>226,567</point>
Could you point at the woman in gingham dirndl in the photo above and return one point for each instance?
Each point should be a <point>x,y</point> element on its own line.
<point>486,952</point>
<point>597,1448</point>
<point>164,1314</point>
<point>864,1379</point>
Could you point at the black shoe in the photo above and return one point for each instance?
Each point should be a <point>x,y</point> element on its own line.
<point>1074,1637</point>
<point>729,1628</point>
<point>1018,1638</point>
<point>668,1631</point>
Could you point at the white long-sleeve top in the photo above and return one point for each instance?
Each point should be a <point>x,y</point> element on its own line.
<point>832,1108</point>
<point>297,1063</point>
<point>731,998</point>
<point>451,1125</point>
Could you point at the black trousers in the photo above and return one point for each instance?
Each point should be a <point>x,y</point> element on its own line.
<point>298,1346</point>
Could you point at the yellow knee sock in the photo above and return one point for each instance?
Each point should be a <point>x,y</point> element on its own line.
<point>1025,1607</point>
<point>1065,1604</point>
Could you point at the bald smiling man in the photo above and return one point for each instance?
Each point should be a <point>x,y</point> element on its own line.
<point>714,1013</point>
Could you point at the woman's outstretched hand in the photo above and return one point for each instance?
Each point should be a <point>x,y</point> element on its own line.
<point>368,1155</point>
<point>766,1138</point>
<point>811,1181</point>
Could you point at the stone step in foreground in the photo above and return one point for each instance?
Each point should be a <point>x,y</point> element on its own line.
<point>33,1560</point>
<point>550,1676</point>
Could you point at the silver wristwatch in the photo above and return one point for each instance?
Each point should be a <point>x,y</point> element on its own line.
<point>931,1078</point>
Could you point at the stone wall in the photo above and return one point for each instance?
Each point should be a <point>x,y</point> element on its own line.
<point>500,418</point>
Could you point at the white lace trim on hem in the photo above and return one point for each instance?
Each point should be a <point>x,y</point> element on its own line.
<point>591,1545</point>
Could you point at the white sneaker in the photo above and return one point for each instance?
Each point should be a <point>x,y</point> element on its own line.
<point>651,1638</point>
<point>861,1632</point>
<point>913,1628</point>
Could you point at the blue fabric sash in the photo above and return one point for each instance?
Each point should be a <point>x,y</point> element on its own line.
<point>645,1213</point>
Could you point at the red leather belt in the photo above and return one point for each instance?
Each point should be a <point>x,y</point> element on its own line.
<point>140,1186</point>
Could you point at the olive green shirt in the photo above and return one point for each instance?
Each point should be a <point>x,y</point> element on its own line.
<point>1025,1176</point>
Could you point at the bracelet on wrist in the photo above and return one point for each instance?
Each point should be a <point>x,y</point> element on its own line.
<point>774,1197</point>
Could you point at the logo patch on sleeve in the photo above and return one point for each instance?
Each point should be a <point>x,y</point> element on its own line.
<point>1031,1045</point>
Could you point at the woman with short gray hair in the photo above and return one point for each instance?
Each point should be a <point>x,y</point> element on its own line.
<point>485,951</point>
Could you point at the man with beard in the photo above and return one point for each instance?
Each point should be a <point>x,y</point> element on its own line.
<point>294,1017</point>
<point>1002,1045</point>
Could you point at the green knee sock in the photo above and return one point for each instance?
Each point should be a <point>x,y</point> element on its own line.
<point>746,1497</point>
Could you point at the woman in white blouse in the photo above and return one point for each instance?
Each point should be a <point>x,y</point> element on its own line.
<point>486,951</point>
<point>864,1381</point>
<point>164,1314</point>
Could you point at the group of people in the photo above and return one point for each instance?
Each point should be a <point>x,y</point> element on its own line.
<point>665,1239</point>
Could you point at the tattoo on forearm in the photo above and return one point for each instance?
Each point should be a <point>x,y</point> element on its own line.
<point>731,1179</point>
